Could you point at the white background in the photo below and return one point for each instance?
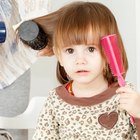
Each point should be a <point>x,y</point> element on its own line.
<point>138,43</point>
<point>43,76</point>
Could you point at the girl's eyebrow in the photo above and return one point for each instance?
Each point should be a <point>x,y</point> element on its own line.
<point>90,44</point>
<point>68,47</point>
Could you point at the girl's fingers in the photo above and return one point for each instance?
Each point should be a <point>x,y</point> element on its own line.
<point>124,90</point>
<point>122,106</point>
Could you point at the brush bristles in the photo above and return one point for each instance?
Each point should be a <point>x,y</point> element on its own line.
<point>112,52</point>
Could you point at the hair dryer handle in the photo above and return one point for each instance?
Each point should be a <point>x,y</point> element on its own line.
<point>2,32</point>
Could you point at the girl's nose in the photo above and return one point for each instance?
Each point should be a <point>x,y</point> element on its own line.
<point>80,60</point>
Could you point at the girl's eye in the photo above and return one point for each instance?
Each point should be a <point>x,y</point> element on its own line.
<point>70,50</point>
<point>91,49</point>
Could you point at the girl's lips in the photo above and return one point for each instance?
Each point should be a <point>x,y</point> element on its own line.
<point>82,72</point>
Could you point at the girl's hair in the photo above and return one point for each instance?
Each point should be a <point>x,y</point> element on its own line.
<point>70,25</point>
<point>73,28</point>
<point>48,24</point>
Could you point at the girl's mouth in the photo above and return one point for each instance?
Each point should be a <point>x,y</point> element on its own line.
<point>82,72</point>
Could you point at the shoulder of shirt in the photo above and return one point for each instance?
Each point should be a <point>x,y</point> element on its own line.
<point>53,99</point>
<point>53,94</point>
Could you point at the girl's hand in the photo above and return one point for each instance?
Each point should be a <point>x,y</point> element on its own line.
<point>129,101</point>
<point>45,52</point>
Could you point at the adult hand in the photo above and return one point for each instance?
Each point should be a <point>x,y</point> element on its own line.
<point>47,51</point>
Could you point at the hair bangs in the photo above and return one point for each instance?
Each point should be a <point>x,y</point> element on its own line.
<point>75,29</point>
<point>77,36</point>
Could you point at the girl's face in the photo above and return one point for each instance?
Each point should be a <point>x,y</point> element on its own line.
<point>83,63</point>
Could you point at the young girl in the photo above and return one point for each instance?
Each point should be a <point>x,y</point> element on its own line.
<point>89,105</point>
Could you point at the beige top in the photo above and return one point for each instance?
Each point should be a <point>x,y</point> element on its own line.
<point>67,117</point>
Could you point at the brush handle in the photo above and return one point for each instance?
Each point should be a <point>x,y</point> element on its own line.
<point>121,81</point>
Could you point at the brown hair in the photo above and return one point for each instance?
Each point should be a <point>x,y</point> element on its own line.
<point>70,25</point>
<point>73,28</point>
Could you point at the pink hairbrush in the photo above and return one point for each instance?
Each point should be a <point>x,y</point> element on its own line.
<point>111,49</point>
<point>112,52</point>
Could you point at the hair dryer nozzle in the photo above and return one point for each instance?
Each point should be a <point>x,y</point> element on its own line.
<point>2,32</point>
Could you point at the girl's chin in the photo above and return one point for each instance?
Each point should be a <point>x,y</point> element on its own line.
<point>82,80</point>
